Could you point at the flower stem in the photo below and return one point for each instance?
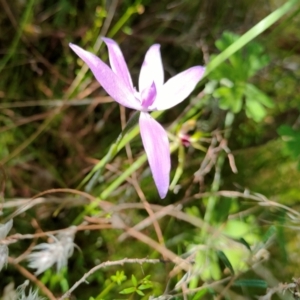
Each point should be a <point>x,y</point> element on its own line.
<point>212,200</point>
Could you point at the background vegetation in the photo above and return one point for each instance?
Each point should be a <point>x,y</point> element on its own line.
<point>229,227</point>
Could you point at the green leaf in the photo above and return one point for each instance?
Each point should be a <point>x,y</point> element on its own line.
<point>224,70</point>
<point>251,283</point>
<point>254,110</point>
<point>210,86</point>
<point>230,98</point>
<point>128,290</point>
<point>244,242</point>
<point>269,234</point>
<point>255,102</point>
<point>134,280</point>
<point>146,278</point>
<point>255,94</point>
<point>140,293</point>
<point>256,58</point>
<point>226,40</point>
<point>288,131</point>
<point>200,294</point>
<point>225,260</point>
<point>146,286</point>
<point>64,284</point>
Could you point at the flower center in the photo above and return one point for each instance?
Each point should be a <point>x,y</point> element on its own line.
<point>148,95</point>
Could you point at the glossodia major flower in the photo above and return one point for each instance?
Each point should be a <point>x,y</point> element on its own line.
<point>153,94</point>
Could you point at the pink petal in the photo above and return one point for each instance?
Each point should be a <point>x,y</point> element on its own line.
<point>117,61</point>
<point>148,96</point>
<point>111,83</point>
<point>156,144</point>
<point>152,69</point>
<point>177,88</point>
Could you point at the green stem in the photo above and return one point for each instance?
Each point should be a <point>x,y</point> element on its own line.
<point>106,291</point>
<point>116,183</point>
<point>17,37</point>
<point>119,144</point>
<point>128,172</point>
<point>212,200</point>
<point>251,34</point>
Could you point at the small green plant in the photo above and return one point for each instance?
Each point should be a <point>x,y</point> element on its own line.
<point>138,286</point>
<point>229,83</point>
<point>119,277</point>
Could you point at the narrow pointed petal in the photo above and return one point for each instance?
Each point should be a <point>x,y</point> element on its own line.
<point>177,88</point>
<point>156,144</point>
<point>152,69</point>
<point>117,61</point>
<point>111,82</point>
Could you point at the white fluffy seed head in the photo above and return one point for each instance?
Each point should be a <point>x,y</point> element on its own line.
<point>3,256</point>
<point>4,230</point>
<point>46,255</point>
<point>32,295</point>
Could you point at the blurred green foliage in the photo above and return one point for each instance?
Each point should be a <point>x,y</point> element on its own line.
<point>291,138</point>
<point>230,81</point>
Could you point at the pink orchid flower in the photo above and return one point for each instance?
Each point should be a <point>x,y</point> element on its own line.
<point>153,95</point>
